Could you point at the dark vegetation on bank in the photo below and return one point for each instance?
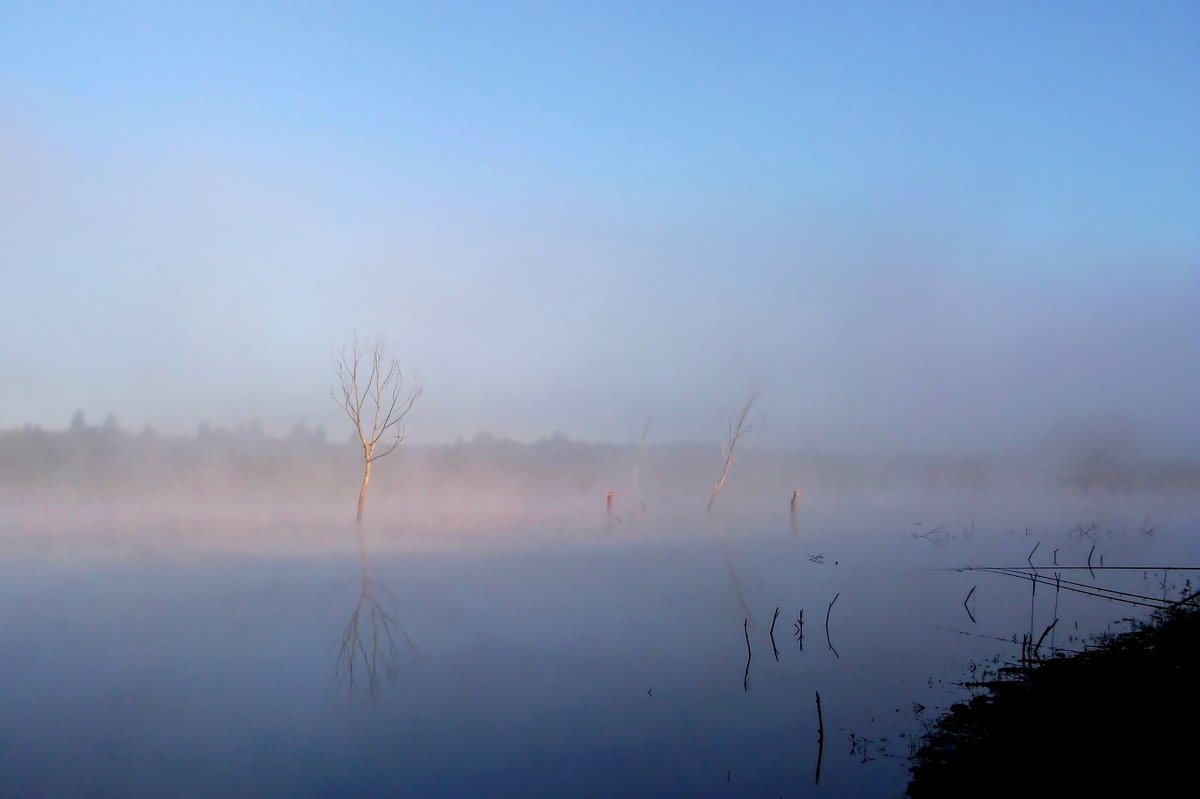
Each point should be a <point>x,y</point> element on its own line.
<point>1122,719</point>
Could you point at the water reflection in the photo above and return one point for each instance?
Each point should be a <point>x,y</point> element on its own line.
<point>792,513</point>
<point>560,670</point>
<point>735,584</point>
<point>369,642</point>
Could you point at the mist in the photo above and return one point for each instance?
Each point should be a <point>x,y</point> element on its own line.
<point>956,256</point>
<point>708,321</point>
<point>172,295</point>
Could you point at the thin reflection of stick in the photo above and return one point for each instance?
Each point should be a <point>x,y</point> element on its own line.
<point>827,610</point>
<point>369,642</point>
<point>820,740</point>
<point>792,514</point>
<point>968,599</point>
<point>746,676</point>
<point>734,582</point>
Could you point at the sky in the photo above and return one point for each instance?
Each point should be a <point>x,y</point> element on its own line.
<point>931,227</point>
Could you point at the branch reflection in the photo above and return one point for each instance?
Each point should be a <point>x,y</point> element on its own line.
<point>369,643</point>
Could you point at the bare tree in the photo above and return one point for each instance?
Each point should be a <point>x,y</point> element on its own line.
<point>375,402</point>
<point>738,427</point>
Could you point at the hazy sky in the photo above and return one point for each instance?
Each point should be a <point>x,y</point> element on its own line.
<point>941,226</point>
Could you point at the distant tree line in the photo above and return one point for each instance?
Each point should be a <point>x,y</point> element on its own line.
<point>106,456</point>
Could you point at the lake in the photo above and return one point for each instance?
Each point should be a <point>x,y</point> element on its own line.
<point>571,655</point>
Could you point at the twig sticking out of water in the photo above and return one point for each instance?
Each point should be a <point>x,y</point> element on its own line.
<point>968,599</point>
<point>1090,551</point>
<point>827,611</point>
<point>820,740</point>
<point>1037,647</point>
<point>746,676</point>
<point>775,648</point>
<point>799,633</point>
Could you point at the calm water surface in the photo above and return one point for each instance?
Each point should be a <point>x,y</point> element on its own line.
<point>576,659</point>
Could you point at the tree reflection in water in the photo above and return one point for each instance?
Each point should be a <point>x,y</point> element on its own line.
<point>368,646</point>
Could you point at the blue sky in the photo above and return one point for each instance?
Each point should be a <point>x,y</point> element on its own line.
<point>894,218</point>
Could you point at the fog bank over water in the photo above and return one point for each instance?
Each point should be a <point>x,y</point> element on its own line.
<point>101,487</point>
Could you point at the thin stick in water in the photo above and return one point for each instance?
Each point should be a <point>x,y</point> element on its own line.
<point>827,610</point>
<point>773,647</point>
<point>1037,647</point>
<point>820,740</point>
<point>1057,589</point>
<point>746,676</point>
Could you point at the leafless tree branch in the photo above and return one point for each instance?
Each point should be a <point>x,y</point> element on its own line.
<point>376,405</point>
<point>738,427</point>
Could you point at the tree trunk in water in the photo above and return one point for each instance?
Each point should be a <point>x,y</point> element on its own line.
<point>362,492</point>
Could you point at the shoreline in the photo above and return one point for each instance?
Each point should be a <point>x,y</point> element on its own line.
<point>1119,718</point>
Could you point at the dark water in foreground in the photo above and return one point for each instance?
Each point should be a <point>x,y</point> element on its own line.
<point>577,660</point>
